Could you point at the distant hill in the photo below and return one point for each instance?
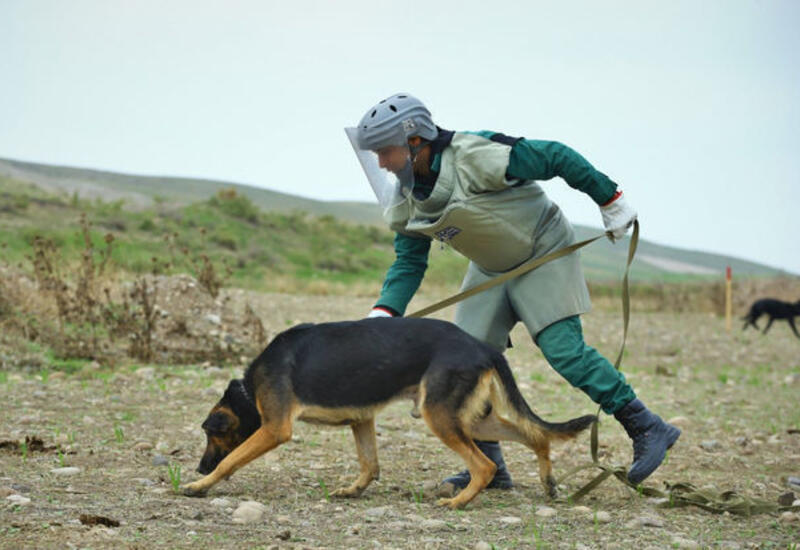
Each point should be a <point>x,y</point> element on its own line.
<point>602,260</point>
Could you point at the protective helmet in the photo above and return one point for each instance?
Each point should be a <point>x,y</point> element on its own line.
<point>393,121</point>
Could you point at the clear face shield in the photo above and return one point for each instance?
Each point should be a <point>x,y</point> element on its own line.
<point>388,169</point>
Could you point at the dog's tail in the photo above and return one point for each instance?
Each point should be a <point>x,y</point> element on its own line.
<point>516,403</point>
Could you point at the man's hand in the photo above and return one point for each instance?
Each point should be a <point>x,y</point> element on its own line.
<point>618,217</point>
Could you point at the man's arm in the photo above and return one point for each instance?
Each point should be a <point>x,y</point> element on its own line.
<point>405,275</point>
<point>543,160</point>
<point>533,159</point>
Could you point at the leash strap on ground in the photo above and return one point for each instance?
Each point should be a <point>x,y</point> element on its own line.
<point>679,494</point>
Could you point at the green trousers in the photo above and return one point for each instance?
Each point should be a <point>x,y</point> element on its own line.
<point>582,366</point>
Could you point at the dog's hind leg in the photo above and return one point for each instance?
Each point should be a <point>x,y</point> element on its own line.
<point>769,324</point>
<point>442,422</point>
<point>264,439</point>
<point>791,324</point>
<point>367,448</point>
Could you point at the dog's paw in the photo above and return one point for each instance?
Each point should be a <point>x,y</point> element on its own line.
<point>452,503</point>
<point>193,490</point>
<point>347,492</point>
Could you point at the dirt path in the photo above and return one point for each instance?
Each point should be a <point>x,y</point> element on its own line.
<point>734,396</point>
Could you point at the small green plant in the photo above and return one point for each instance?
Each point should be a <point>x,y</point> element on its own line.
<point>119,435</point>
<point>61,460</point>
<point>3,377</point>
<point>536,534</point>
<point>44,374</point>
<point>174,471</point>
<point>23,448</point>
<point>324,488</point>
<point>417,496</point>
<point>723,378</point>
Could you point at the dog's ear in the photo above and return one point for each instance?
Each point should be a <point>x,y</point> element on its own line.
<point>218,423</point>
<point>234,390</point>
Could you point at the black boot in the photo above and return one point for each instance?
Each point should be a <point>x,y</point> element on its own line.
<point>651,438</point>
<point>502,479</point>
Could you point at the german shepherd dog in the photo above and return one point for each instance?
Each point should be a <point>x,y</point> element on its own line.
<point>344,373</point>
<point>775,309</point>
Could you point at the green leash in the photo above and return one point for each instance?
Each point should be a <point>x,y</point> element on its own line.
<point>508,275</point>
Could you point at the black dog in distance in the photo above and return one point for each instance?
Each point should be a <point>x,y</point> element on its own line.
<point>775,309</point>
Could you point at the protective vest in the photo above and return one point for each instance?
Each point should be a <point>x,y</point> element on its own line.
<point>495,222</point>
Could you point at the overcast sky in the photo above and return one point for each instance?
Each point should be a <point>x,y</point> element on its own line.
<point>693,107</point>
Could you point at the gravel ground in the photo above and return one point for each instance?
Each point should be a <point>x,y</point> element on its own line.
<point>104,446</point>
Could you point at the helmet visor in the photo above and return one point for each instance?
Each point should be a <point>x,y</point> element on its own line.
<point>388,169</point>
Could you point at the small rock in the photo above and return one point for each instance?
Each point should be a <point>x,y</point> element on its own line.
<point>645,521</point>
<point>774,439</point>
<point>18,500</point>
<point>786,517</point>
<point>378,512</point>
<point>103,532</point>
<point>283,520</point>
<point>433,524</point>
<point>793,482</point>
<point>581,509</point>
<point>145,373</point>
<point>142,446</point>
<point>220,502</point>
<point>678,542</point>
<point>786,499</point>
<point>602,517</point>
<point>160,460</point>
<point>213,318</point>
<point>710,445</point>
<point>482,545</point>
<point>5,491</point>
<point>66,471</point>
<point>510,520</point>
<point>249,511</point>
<point>20,488</point>
<point>545,511</point>
<point>144,481</point>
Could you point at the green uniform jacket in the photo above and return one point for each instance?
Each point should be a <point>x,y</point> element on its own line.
<point>483,200</point>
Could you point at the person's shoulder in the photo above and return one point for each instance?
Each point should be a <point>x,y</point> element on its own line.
<point>490,135</point>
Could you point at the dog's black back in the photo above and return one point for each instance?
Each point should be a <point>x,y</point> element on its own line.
<point>390,354</point>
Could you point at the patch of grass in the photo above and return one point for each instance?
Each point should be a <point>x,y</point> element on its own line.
<point>324,488</point>
<point>174,472</point>
<point>119,435</point>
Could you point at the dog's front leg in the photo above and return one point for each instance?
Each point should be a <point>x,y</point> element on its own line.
<point>367,448</point>
<point>263,439</point>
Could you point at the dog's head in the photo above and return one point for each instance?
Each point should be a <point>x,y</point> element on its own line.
<point>232,420</point>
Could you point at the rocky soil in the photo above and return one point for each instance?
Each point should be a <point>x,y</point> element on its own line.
<point>88,459</point>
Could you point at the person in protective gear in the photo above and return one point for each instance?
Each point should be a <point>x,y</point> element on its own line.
<point>477,192</point>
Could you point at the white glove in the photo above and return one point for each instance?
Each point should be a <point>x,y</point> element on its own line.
<point>379,312</point>
<point>617,217</point>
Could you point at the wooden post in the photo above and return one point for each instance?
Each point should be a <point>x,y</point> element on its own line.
<point>728,296</point>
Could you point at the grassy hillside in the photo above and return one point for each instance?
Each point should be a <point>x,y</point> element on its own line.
<point>261,250</point>
<point>278,240</point>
